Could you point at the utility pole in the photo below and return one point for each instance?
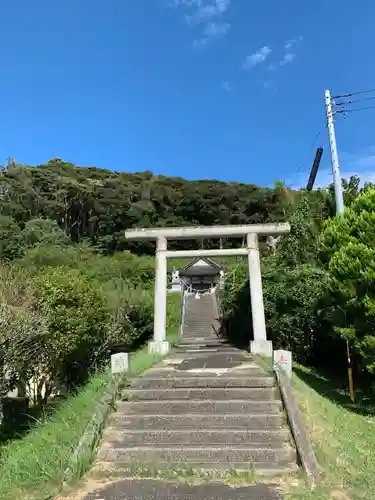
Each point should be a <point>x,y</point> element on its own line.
<point>334,156</point>
<point>339,206</point>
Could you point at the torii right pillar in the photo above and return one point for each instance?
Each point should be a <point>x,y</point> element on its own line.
<point>260,344</point>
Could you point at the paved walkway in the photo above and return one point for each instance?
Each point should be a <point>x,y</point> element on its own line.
<point>156,490</point>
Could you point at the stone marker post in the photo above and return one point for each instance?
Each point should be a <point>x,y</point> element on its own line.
<point>120,362</point>
<point>283,360</point>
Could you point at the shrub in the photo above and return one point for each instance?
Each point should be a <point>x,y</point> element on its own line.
<point>131,322</point>
<point>10,239</point>
<point>45,232</point>
<point>76,316</point>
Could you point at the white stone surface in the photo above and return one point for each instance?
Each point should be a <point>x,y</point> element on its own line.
<point>256,290</point>
<point>194,232</point>
<point>120,362</point>
<point>283,359</point>
<point>160,306</point>
<point>156,347</point>
<point>264,348</point>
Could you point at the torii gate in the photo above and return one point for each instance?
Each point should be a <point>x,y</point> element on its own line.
<point>159,344</point>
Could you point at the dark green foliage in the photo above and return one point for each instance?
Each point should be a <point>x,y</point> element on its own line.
<point>98,205</point>
<point>43,232</point>
<point>11,245</point>
<point>293,287</point>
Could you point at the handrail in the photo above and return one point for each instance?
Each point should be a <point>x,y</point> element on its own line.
<point>182,310</point>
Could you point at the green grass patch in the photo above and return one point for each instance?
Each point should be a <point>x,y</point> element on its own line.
<point>34,465</point>
<point>32,468</point>
<point>342,435</point>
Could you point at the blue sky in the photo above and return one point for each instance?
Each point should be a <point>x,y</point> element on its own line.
<point>225,89</point>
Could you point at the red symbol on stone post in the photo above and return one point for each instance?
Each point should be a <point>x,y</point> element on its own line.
<point>282,359</point>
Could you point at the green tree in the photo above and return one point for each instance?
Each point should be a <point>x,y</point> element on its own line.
<point>348,250</point>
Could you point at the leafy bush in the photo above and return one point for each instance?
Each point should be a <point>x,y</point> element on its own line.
<point>10,239</point>
<point>76,315</point>
<point>45,232</point>
<point>131,322</point>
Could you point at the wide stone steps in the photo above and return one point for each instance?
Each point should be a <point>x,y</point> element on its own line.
<point>128,438</point>
<point>207,406</point>
<point>260,468</point>
<point>202,381</point>
<point>185,454</point>
<point>229,393</point>
<point>175,407</point>
<point>195,421</point>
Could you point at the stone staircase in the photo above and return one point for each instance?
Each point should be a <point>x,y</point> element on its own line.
<point>207,406</point>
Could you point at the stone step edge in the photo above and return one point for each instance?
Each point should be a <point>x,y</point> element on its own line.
<point>207,447</point>
<point>203,401</point>
<point>281,432</point>
<point>213,389</point>
<point>262,468</point>
<point>194,415</point>
<point>190,376</point>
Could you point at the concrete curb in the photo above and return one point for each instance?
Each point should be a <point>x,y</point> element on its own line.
<point>296,422</point>
<point>92,432</point>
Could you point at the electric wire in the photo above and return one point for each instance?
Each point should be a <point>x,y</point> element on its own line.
<point>353,93</point>
<point>351,110</point>
<point>311,147</point>
<point>344,103</point>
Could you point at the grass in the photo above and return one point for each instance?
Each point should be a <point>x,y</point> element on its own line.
<point>343,437</point>
<point>34,465</point>
<point>32,468</point>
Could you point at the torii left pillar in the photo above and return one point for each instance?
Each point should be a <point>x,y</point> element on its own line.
<point>159,345</point>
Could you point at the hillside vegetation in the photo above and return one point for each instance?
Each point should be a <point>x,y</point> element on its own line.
<point>319,290</point>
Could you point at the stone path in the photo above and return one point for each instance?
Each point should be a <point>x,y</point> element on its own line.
<point>155,490</point>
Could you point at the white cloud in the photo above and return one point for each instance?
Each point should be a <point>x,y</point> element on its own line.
<point>257,57</point>
<point>288,58</point>
<point>216,29</point>
<point>205,11</point>
<point>289,44</point>
<point>211,30</point>
<point>227,86</point>
<point>222,5</point>
<point>208,14</point>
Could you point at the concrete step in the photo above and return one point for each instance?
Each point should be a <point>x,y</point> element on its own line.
<point>183,407</point>
<point>271,438</point>
<point>219,394</point>
<point>189,343</point>
<point>186,454</point>
<point>261,468</point>
<point>202,380</point>
<point>198,421</point>
<point>192,350</point>
<point>206,336</point>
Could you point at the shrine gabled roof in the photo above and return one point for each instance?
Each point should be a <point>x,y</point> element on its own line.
<point>200,266</point>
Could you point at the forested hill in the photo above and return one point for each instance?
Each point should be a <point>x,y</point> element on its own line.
<point>98,205</point>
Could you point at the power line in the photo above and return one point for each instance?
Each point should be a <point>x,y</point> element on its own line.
<point>353,109</point>
<point>344,103</point>
<point>311,147</point>
<point>353,93</point>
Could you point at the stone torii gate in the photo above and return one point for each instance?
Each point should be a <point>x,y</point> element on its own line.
<point>159,344</point>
